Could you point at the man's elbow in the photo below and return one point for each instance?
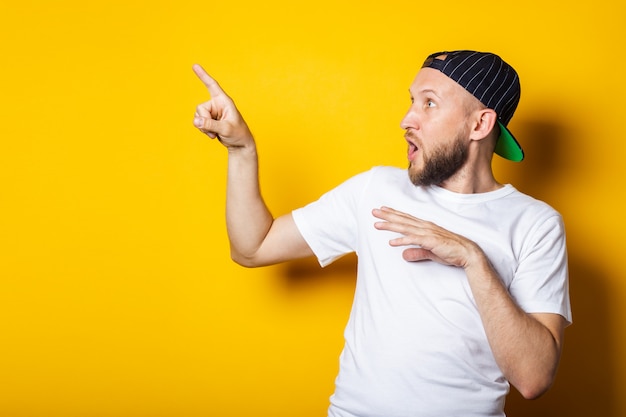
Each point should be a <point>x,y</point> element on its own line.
<point>245,261</point>
<point>535,387</point>
<point>251,260</point>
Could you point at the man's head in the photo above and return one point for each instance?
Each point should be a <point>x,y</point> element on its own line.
<point>443,122</point>
<point>492,81</point>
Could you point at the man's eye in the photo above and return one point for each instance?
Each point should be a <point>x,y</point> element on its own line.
<point>430,103</point>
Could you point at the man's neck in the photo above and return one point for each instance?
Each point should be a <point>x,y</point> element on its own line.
<point>472,180</point>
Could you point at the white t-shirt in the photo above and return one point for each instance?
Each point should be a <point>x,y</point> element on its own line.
<point>414,343</point>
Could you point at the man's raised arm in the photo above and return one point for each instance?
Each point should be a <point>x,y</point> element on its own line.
<point>256,238</point>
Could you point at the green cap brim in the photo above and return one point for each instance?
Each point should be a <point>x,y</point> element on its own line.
<point>507,147</point>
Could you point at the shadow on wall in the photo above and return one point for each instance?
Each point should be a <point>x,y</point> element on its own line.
<point>302,274</point>
<point>585,383</point>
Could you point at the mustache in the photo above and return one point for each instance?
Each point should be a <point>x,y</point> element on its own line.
<point>411,136</point>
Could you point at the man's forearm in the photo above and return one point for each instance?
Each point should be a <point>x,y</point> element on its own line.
<point>526,347</point>
<point>248,219</point>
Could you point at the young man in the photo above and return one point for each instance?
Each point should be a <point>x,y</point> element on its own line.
<point>462,281</point>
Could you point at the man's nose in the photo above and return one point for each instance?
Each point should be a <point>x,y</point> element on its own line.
<point>409,120</point>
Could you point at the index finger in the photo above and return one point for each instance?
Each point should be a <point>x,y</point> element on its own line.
<point>388,213</point>
<point>211,85</point>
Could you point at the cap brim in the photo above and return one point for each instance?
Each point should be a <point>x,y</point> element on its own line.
<point>507,147</point>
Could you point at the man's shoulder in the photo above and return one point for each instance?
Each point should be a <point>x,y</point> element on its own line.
<point>388,173</point>
<point>389,170</point>
<point>531,208</point>
<point>378,176</point>
<point>531,201</point>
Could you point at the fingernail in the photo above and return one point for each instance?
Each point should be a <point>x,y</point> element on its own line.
<point>197,122</point>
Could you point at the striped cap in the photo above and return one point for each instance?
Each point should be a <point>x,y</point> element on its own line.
<point>492,81</point>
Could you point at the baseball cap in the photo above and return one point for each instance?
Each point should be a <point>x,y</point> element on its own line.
<point>492,81</point>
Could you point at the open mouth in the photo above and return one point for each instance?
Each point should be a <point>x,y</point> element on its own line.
<point>413,149</point>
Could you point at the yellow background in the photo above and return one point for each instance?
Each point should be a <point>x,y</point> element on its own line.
<point>117,294</point>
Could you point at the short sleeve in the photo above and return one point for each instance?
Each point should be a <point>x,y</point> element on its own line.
<point>329,225</point>
<point>541,283</point>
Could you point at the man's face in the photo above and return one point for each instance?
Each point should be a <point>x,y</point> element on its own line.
<point>437,129</point>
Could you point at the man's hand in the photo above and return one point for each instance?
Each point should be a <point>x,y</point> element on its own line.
<point>219,117</point>
<point>430,241</point>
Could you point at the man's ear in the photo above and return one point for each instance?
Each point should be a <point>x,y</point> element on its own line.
<point>484,122</point>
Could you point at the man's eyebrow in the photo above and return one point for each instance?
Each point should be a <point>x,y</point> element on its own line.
<point>426,91</point>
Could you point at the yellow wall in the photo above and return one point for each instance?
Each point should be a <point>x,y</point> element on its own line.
<point>117,295</point>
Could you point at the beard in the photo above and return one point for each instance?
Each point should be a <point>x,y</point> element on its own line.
<point>443,163</point>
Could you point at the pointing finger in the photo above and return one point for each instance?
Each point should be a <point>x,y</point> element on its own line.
<point>211,85</point>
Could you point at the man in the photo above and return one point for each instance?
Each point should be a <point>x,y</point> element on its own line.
<point>462,281</point>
